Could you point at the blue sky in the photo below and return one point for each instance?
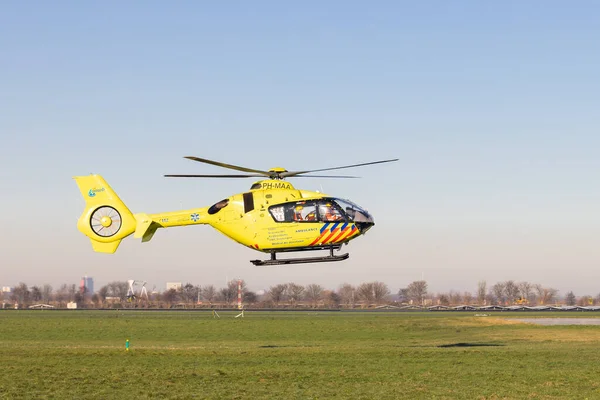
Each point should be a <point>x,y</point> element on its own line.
<point>491,107</point>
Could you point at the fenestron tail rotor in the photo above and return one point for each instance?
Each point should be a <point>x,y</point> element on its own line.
<point>273,173</point>
<point>105,221</point>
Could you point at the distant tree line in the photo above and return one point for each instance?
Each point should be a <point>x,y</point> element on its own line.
<point>512,293</point>
<point>292,295</point>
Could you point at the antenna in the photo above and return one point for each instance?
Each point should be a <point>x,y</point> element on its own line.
<point>240,294</point>
<point>240,305</point>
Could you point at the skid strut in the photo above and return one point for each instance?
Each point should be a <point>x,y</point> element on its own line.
<point>302,260</point>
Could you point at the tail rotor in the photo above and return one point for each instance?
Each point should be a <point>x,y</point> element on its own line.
<point>105,221</point>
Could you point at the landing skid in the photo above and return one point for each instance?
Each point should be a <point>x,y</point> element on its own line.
<point>303,260</point>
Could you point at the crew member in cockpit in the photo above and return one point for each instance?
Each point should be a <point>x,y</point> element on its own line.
<point>298,213</point>
<point>329,213</point>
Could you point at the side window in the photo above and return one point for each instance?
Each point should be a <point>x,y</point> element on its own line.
<point>301,211</point>
<point>305,211</point>
<point>278,213</point>
<point>329,212</point>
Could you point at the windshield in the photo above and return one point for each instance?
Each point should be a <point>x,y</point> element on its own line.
<point>353,211</point>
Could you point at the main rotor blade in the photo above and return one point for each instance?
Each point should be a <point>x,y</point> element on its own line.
<point>215,176</point>
<point>325,176</point>
<point>220,164</point>
<point>296,173</point>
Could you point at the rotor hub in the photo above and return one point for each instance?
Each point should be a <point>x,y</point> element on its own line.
<point>275,173</point>
<point>106,221</point>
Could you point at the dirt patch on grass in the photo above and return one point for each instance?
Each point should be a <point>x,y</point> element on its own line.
<point>470,345</point>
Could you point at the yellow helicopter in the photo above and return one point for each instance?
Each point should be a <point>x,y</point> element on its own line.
<point>272,217</point>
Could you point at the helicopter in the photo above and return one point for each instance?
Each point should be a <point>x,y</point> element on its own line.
<point>271,217</point>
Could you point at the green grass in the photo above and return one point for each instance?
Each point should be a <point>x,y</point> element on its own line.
<point>304,355</point>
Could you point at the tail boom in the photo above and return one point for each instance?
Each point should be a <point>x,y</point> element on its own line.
<point>147,224</point>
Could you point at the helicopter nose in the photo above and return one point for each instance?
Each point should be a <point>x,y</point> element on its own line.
<point>364,226</point>
<point>363,221</point>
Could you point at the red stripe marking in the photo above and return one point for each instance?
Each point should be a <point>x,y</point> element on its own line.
<point>319,237</point>
<point>344,236</point>
<point>330,236</point>
<point>341,233</point>
<point>354,229</point>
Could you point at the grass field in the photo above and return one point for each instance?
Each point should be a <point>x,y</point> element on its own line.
<point>300,355</point>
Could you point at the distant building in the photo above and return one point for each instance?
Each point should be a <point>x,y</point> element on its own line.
<point>6,289</point>
<point>86,285</point>
<point>173,285</point>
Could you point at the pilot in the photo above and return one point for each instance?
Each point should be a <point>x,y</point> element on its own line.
<point>330,213</point>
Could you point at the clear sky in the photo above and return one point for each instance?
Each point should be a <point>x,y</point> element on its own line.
<point>491,107</point>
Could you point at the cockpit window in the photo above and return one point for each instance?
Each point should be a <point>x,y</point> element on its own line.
<point>305,211</point>
<point>329,211</point>
<point>300,211</point>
